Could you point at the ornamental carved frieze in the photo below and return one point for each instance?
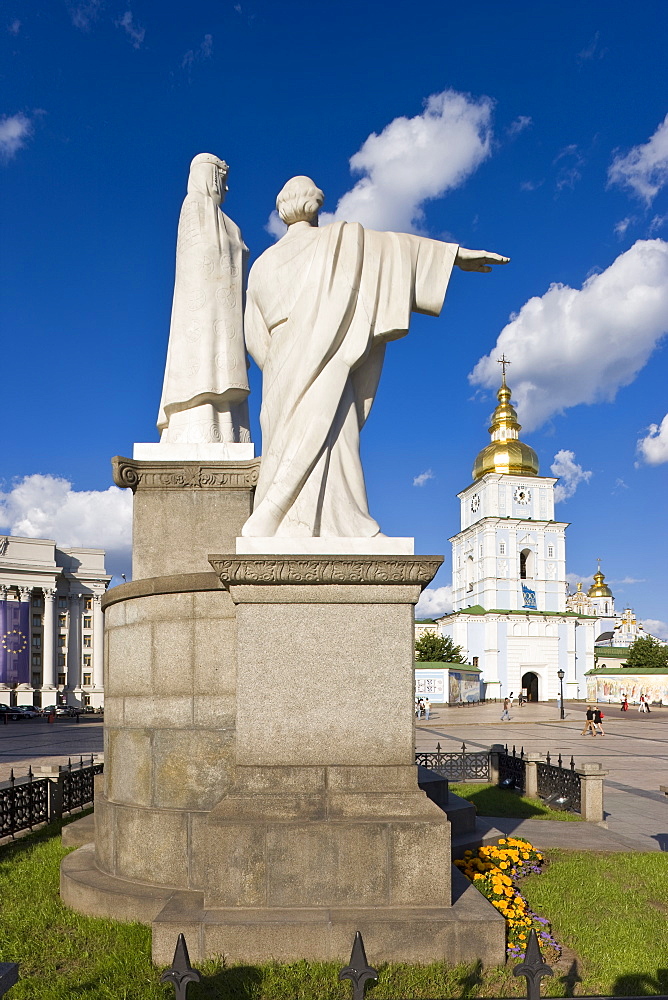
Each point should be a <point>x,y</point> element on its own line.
<point>334,569</point>
<point>129,473</point>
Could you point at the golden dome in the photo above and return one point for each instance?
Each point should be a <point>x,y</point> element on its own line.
<point>599,588</point>
<point>506,454</point>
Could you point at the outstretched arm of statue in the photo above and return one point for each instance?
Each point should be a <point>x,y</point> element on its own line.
<point>478,260</point>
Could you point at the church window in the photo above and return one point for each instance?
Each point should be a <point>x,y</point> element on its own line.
<point>469,574</point>
<point>481,550</point>
<point>526,564</point>
<point>502,548</point>
<point>550,551</point>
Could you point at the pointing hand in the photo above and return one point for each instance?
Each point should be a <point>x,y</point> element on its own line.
<point>478,260</point>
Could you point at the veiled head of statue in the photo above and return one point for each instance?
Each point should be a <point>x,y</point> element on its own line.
<point>208,176</point>
<point>299,201</point>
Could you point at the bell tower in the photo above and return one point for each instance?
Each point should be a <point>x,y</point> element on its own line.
<point>510,553</point>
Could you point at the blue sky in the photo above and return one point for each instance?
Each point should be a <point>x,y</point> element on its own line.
<point>535,130</point>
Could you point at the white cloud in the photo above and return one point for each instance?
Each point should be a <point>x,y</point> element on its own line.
<point>423,478</point>
<point>657,223</point>
<point>14,27</point>
<point>571,160</point>
<point>644,169</point>
<point>203,51</point>
<point>654,447</point>
<point>84,13</point>
<point>569,472</point>
<point>625,581</point>
<point>573,346</point>
<point>592,50</point>
<point>275,225</point>
<point>520,123</point>
<point>48,507</point>
<point>434,602</point>
<point>15,130</point>
<point>134,31</point>
<point>414,160</point>
<point>656,627</point>
<point>622,226</point>
<point>530,185</point>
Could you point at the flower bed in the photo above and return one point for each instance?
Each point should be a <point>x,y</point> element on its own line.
<point>495,870</point>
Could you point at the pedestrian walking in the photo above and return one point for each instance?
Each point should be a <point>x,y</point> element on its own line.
<point>589,724</point>
<point>505,715</point>
<point>598,721</point>
<point>520,700</point>
<point>427,708</point>
<point>625,705</point>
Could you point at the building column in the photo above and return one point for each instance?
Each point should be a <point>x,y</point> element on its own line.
<point>48,650</point>
<point>98,643</point>
<point>74,643</point>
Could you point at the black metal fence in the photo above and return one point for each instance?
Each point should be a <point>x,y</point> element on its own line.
<point>512,769</point>
<point>28,801</point>
<point>458,766</point>
<point>558,785</point>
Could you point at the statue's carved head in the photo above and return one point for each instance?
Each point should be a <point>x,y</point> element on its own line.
<point>299,201</point>
<point>208,176</point>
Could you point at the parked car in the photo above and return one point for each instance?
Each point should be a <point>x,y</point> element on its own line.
<point>30,711</point>
<point>12,713</point>
<point>66,710</point>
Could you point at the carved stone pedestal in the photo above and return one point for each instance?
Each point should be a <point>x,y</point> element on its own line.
<point>260,790</point>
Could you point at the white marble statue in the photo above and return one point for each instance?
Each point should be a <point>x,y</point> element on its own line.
<point>204,395</point>
<point>321,306</point>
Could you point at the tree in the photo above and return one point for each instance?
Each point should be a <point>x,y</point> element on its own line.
<point>647,652</point>
<point>433,648</point>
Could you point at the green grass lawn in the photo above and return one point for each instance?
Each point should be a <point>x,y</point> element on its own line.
<point>609,911</point>
<point>490,800</point>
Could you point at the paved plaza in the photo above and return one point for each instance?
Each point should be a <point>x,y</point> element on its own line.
<point>35,742</point>
<point>634,752</point>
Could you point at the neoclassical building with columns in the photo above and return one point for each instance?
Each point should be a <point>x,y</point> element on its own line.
<point>51,623</point>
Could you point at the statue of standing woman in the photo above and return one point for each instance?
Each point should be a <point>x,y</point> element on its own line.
<point>204,395</point>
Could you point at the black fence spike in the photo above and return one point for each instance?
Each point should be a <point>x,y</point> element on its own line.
<point>438,748</point>
<point>533,968</point>
<point>181,973</point>
<point>547,758</point>
<point>463,747</point>
<point>572,763</point>
<point>559,763</point>
<point>522,753</point>
<point>358,971</point>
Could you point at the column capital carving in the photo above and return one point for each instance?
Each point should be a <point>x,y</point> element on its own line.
<point>49,593</point>
<point>129,473</point>
<point>325,569</point>
<point>25,593</point>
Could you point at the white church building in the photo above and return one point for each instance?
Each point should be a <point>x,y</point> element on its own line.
<point>510,613</point>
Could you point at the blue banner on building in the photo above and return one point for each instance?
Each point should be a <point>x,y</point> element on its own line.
<point>529,598</point>
<point>14,642</point>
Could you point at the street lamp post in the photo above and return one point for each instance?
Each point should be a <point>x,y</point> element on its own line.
<point>560,675</point>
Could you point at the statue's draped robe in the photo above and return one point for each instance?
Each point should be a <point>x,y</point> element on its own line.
<point>206,357</point>
<point>321,306</point>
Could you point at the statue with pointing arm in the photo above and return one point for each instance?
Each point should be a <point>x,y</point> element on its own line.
<point>321,306</point>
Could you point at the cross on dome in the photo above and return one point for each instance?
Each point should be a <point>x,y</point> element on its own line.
<point>503,361</point>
